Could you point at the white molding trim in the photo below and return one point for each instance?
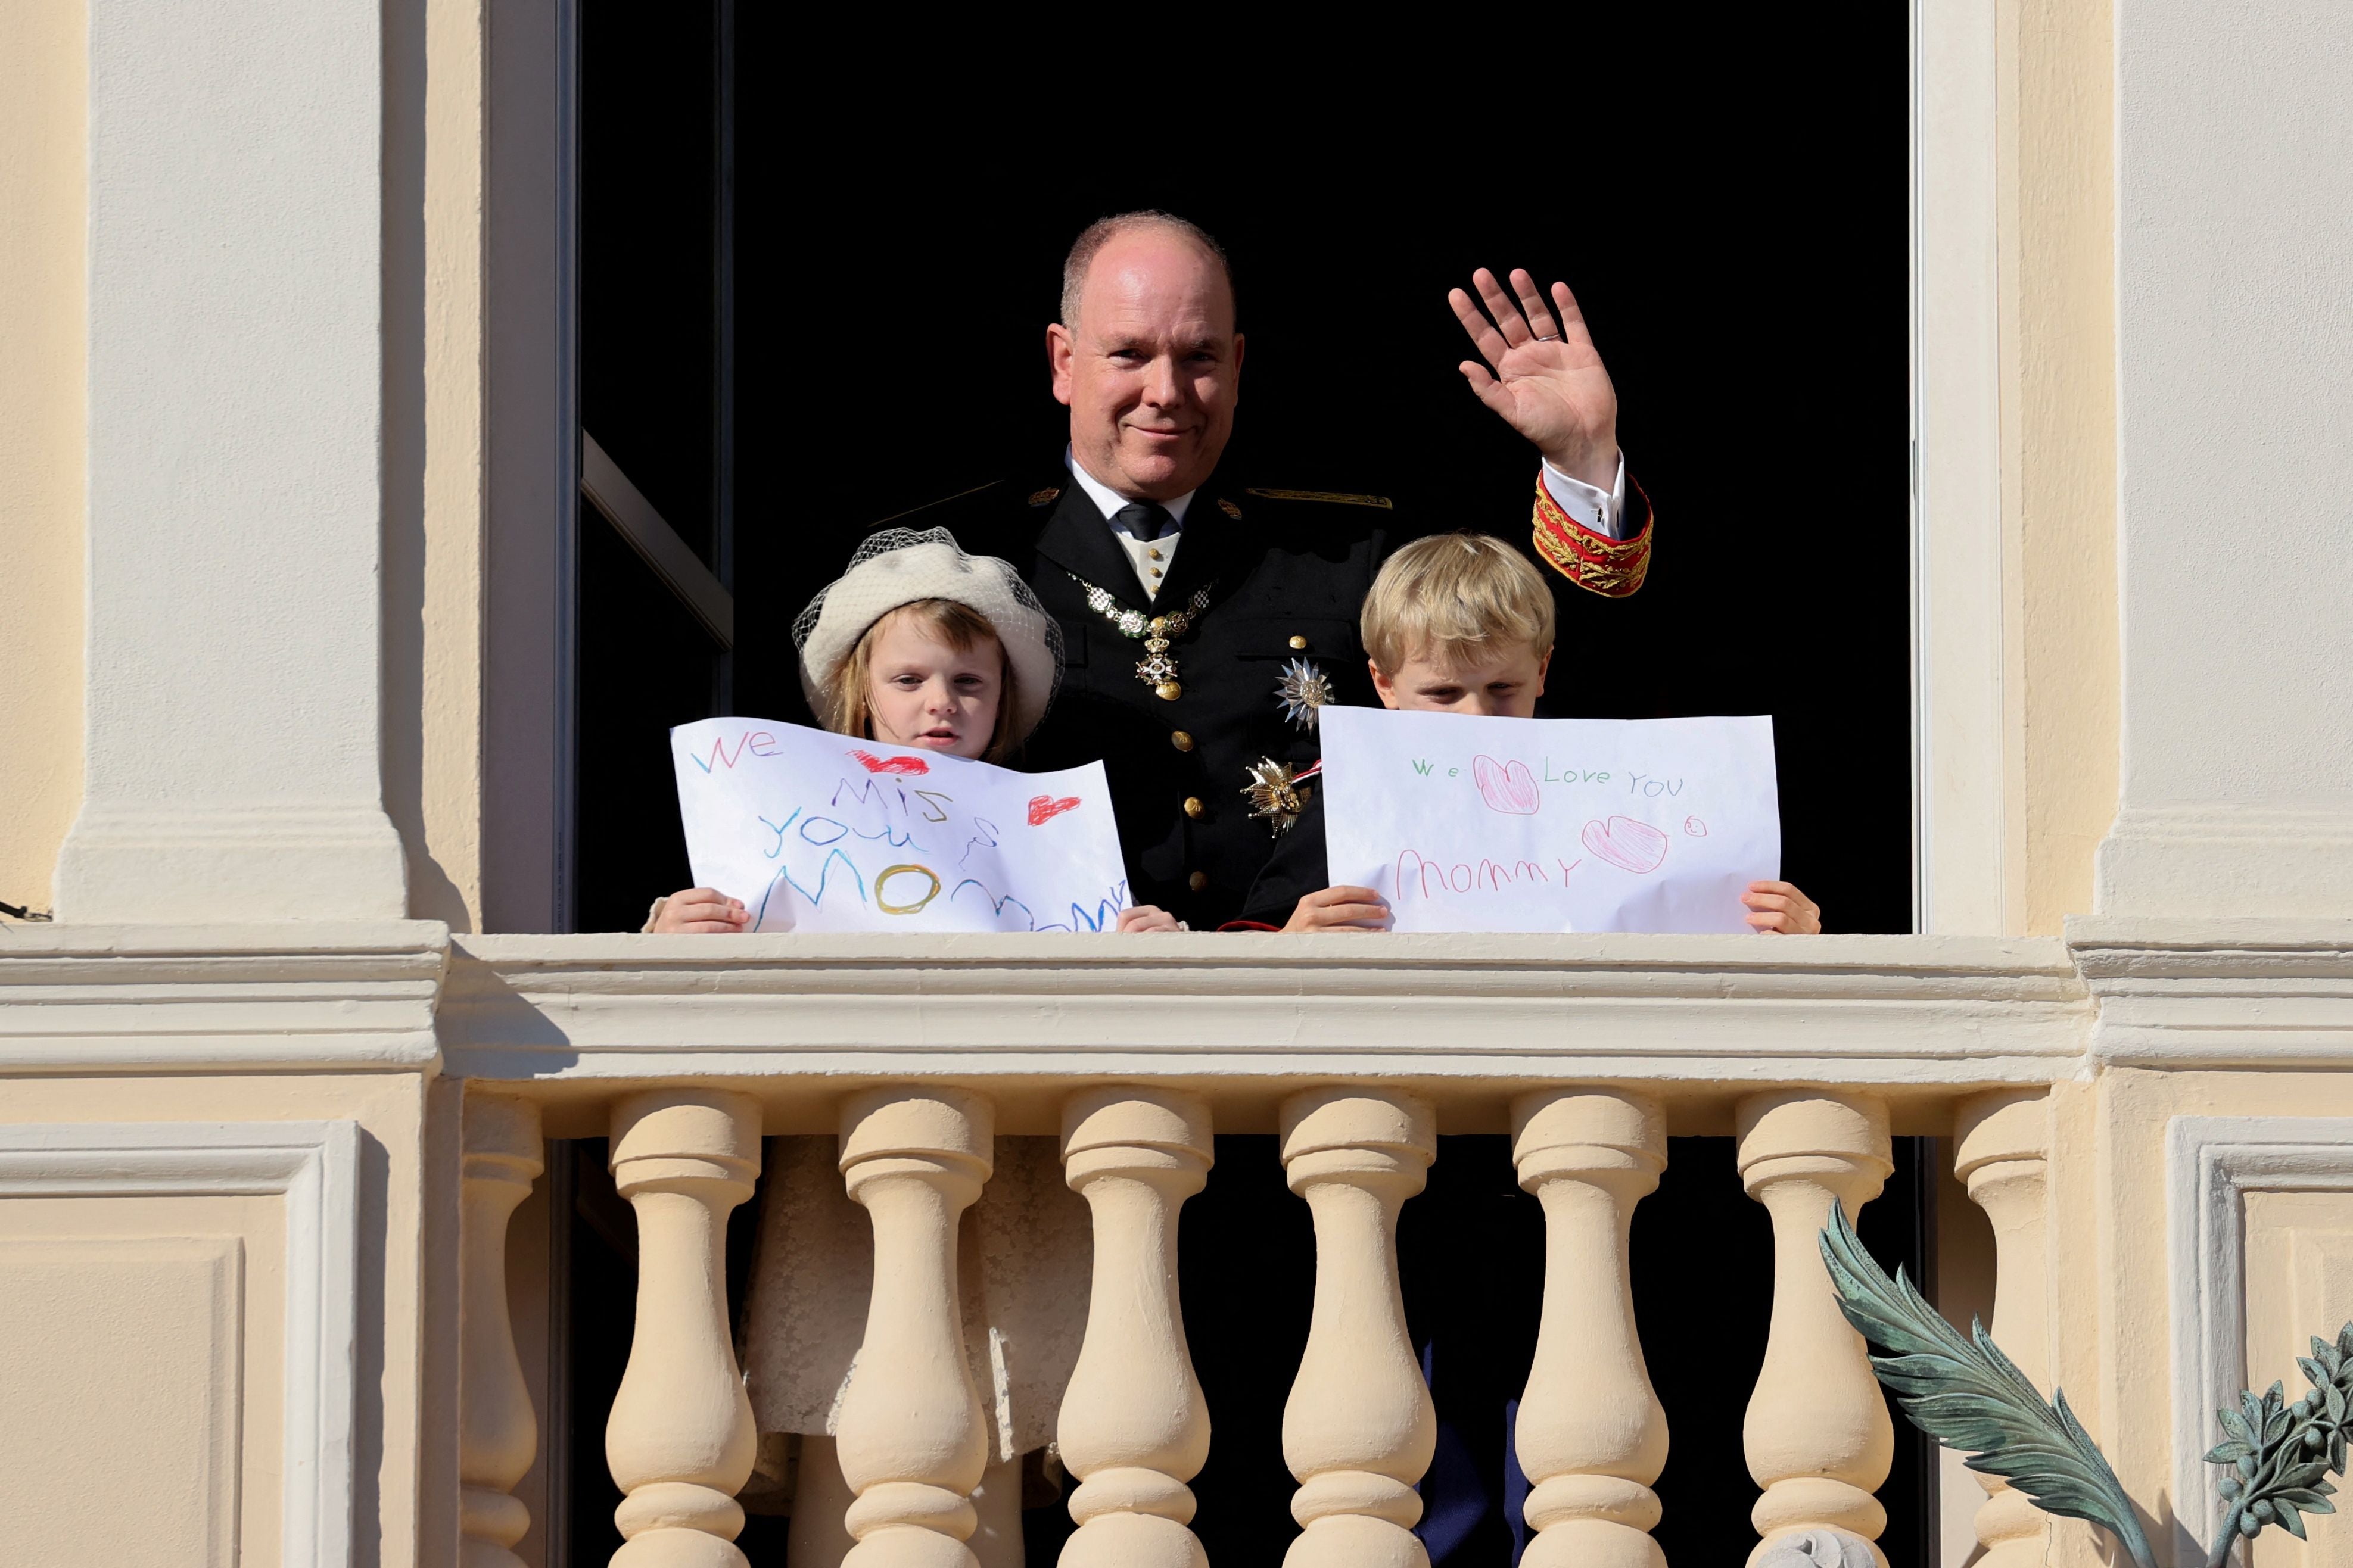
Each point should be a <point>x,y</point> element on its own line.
<point>234,663</point>
<point>2180,993</point>
<point>2227,861</point>
<point>2210,1163</point>
<point>1962,864</point>
<point>315,1166</point>
<point>311,996</point>
<point>2236,765</point>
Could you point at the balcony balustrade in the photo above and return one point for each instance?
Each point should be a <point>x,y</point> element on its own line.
<point>915,1055</point>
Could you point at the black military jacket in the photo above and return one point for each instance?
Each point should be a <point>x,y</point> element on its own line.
<point>1286,573</point>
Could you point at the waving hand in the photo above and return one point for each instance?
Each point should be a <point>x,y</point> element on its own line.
<point>1547,381</point>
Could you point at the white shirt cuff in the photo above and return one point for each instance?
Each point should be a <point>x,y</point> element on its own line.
<point>1603,511</point>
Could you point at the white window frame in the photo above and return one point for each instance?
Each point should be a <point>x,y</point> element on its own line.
<point>1964,866</point>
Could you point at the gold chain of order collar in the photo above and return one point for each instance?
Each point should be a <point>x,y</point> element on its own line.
<point>1156,670</point>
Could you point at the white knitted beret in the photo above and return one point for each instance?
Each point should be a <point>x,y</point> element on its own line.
<point>903,566</point>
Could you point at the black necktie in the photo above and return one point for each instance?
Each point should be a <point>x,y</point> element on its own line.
<point>1144,519</point>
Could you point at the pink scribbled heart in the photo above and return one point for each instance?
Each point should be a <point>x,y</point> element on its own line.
<point>902,766</point>
<point>1629,845</point>
<point>1042,807</point>
<point>1506,786</point>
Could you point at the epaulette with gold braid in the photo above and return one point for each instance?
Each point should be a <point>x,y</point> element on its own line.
<point>1612,568</point>
<point>1334,496</point>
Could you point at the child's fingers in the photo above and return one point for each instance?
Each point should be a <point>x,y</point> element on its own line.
<point>1340,908</point>
<point>1797,915</point>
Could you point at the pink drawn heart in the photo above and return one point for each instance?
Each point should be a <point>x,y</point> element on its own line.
<point>1629,845</point>
<point>900,765</point>
<point>1506,786</point>
<point>1042,807</point>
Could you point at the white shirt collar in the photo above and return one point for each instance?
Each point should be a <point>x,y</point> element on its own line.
<point>1109,500</point>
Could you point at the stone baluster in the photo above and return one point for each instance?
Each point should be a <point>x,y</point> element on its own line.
<point>497,1433</point>
<point>1816,1435</point>
<point>1592,1435</point>
<point>1358,1428</point>
<point>2003,1142</point>
<point>911,1437</point>
<point>680,1440</point>
<point>1133,1427</point>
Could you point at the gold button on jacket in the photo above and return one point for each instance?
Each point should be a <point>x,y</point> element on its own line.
<point>1299,642</point>
<point>1197,880</point>
<point>1181,740</point>
<point>1193,806</point>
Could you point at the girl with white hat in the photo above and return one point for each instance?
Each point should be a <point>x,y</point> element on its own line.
<point>918,644</point>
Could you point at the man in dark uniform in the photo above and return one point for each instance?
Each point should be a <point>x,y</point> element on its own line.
<point>1205,618</point>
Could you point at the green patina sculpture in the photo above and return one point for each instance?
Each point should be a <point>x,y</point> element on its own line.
<point>1964,1393</point>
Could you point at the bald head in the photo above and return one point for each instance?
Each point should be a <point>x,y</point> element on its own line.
<point>1146,354</point>
<point>1146,223</point>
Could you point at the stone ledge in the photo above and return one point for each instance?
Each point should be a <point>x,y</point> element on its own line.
<point>298,995</point>
<point>1914,1014</point>
<point>2218,993</point>
<point>1461,1017</point>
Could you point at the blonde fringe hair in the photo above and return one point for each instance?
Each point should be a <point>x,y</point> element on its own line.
<point>849,702</point>
<point>1440,597</point>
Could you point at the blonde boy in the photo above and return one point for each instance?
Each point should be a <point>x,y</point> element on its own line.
<point>1456,623</point>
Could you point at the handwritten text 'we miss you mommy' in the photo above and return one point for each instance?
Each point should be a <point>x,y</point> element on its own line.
<point>817,834</point>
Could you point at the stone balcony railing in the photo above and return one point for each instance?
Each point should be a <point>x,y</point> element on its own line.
<point>1589,1051</point>
<point>1358,1051</point>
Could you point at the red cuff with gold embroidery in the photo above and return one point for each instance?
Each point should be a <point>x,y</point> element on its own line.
<point>1610,567</point>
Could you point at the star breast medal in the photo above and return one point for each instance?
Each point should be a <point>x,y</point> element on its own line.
<point>1277,794</point>
<point>1303,690</point>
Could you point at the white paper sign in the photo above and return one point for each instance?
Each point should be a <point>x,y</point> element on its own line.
<point>1471,824</point>
<point>819,832</point>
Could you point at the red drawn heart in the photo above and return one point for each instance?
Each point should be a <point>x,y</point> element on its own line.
<point>1042,807</point>
<point>1629,845</point>
<point>1506,786</point>
<point>903,765</point>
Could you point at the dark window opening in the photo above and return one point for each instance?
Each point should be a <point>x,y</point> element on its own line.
<point>857,275</point>
<point>1733,223</point>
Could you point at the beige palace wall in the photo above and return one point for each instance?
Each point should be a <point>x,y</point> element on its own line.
<point>2058,423</point>
<point>434,545</point>
<point>150,1353</point>
<point>42,113</point>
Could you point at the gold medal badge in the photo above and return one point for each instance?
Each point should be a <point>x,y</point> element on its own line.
<point>1277,794</point>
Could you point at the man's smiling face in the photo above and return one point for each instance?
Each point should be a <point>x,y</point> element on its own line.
<point>1152,368</point>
